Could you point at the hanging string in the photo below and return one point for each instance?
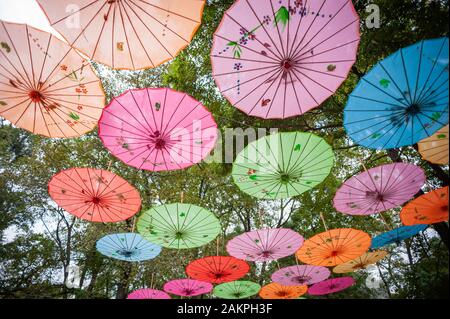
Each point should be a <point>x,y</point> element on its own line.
<point>217,245</point>
<point>109,165</point>
<point>260,212</point>
<point>182,197</point>
<point>323,221</point>
<point>134,224</point>
<point>151,282</point>
<point>388,227</point>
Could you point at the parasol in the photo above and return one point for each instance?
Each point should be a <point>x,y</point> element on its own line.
<point>157,129</point>
<point>334,247</point>
<point>179,226</point>
<point>236,290</point>
<point>188,287</point>
<point>379,189</point>
<point>94,195</point>
<point>359,263</point>
<point>46,87</point>
<point>431,208</point>
<point>331,286</point>
<point>283,165</point>
<point>396,236</point>
<point>282,58</point>
<point>217,269</point>
<point>277,291</point>
<point>301,275</point>
<point>127,247</point>
<point>265,244</point>
<point>434,149</point>
<point>403,99</point>
<point>148,294</point>
<point>126,34</point>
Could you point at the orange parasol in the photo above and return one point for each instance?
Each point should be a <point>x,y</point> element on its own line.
<point>277,291</point>
<point>46,87</point>
<point>431,208</point>
<point>126,34</point>
<point>361,262</point>
<point>435,148</point>
<point>334,247</point>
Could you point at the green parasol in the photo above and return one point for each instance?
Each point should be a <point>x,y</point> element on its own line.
<point>179,226</point>
<point>283,165</point>
<point>236,290</point>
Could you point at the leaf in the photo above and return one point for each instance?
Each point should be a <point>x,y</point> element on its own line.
<point>2,103</point>
<point>440,136</point>
<point>375,136</point>
<point>331,67</point>
<point>385,83</point>
<point>297,147</point>
<point>5,46</point>
<point>232,43</point>
<point>436,116</point>
<point>157,106</point>
<point>74,116</point>
<point>282,16</point>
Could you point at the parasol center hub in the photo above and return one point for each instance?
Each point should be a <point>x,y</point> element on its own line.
<point>287,64</point>
<point>285,178</point>
<point>125,253</point>
<point>96,200</point>
<point>179,235</point>
<point>302,279</point>
<point>188,291</point>
<point>413,109</point>
<point>444,208</point>
<point>160,143</point>
<point>359,266</point>
<point>36,96</point>
<point>282,293</point>
<point>266,254</point>
<point>335,253</point>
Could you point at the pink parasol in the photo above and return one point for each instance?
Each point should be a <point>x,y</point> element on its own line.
<point>282,58</point>
<point>157,129</point>
<point>301,275</point>
<point>148,294</point>
<point>265,245</point>
<point>188,287</point>
<point>331,286</point>
<point>379,189</point>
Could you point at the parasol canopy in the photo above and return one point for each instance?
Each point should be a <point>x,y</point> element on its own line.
<point>148,294</point>
<point>301,275</point>
<point>265,244</point>
<point>403,99</point>
<point>94,195</point>
<point>46,87</point>
<point>434,149</point>
<point>331,286</point>
<point>379,189</point>
<point>236,290</point>
<point>277,291</point>
<point>179,226</point>
<point>217,269</point>
<point>188,287</point>
<point>157,129</point>
<point>127,247</point>
<point>283,165</point>
<point>334,247</point>
<point>277,59</point>
<point>126,34</point>
<point>396,236</point>
<point>359,263</point>
<point>431,208</point>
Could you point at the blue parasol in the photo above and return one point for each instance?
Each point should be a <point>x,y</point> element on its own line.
<point>396,236</point>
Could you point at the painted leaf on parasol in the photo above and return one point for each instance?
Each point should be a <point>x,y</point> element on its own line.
<point>94,195</point>
<point>277,291</point>
<point>188,287</point>
<point>157,129</point>
<point>265,244</point>
<point>127,247</point>
<point>283,165</point>
<point>360,263</point>
<point>300,275</point>
<point>331,286</point>
<point>334,247</point>
<point>236,290</point>
<point>403,99</point>
<point>277,59</point>
<point>47,87</point>
<point>396,236</point>
<point>434,149</point>
<point>179,226</point>
<point>379,189</point>
<point>217,269</point>
<point>148,294</point>
<point>126,34</point>
<point>431,208</point>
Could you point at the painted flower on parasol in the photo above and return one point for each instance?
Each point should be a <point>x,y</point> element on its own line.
<point>128,247</point>
<point>157,129</point>
<point>379,189</point>
<point>434,149</point>
<point>148,294</point>
<point>94,195</point>
<point>47,87</point>
<point>179,226</point>
<point>277,291</point>
<point>331,286</point>
<point>360,263</point>
<point>300,275</point>
<point>283,165</point>
<point>217,269</point>
<point>188,287</point>
<point>334,247</point>
<point>126,34</point>
<point>431,208</point>
<point>265,244</point>
<point>396,236</point>
<point>403,99</point>
<point>236,290</point>
<point>281,58</point>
